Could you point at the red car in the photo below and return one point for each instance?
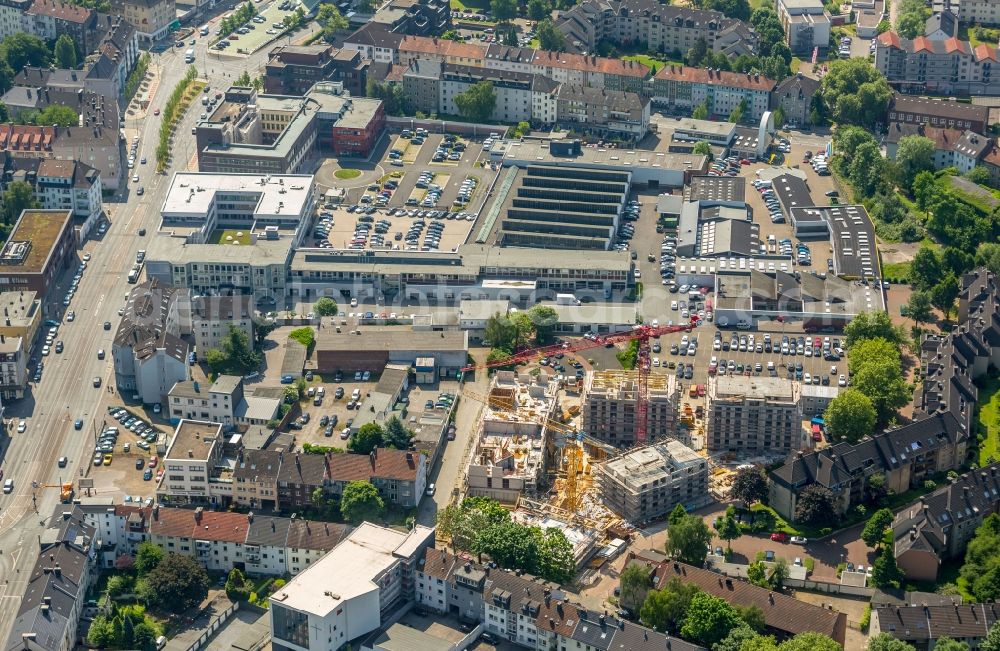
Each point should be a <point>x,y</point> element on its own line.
<point>779,536</point>
<point>156,111</point>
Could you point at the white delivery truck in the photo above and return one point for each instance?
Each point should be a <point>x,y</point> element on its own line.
<point>189,56</point>
<point>567,299</point>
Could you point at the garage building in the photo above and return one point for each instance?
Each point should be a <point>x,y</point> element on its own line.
<point>371,349</point>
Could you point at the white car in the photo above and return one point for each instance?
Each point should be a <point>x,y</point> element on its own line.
<point>673,305</point>
<point>22,427</point>
<point>798,540</point>
<point>135,178</point>
<point>656,361</point>
<point>842,380</point>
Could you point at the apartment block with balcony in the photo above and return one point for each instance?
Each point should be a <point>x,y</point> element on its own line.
<point>806,23</point>
<point>682,88</point>
<point>13,367</point>
<point>213,316</point>
<point>609,406</point>
<point>150,18</point>
<point>190,462</point>
<point>753,415</point>
<point>603,113</point>
<point>216,403</point>
<point>937,67</point>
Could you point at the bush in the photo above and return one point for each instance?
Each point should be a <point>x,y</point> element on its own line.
<point>866,618</point>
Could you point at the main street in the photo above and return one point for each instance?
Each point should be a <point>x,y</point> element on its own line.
<point>66,390</point>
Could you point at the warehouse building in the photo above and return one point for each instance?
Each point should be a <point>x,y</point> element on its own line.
<point>648,482</point>
<point>562,208</point>
<point>609,406</point>
<point>372,348</point>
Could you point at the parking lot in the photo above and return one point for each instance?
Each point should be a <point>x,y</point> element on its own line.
<point>257,34</point>
<point>125,444</point>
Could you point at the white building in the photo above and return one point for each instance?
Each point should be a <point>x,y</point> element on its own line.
<point>216,403</point>
<point>12,17</point>
<point>189,463</point>
<point>69,185</point>
<point>13,367</point>
<point>213,316</point>
<point>349,592</point>
<point>806,23</point>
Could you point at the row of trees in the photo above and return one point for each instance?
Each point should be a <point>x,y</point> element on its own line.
<point>878,388</point>
<point>482,526</point>
<point>508,333</point>
<point>393,435</point>
<point>981,571</point>
<point>241,15</point>
<point>169,117</point>
<point>330,19</point>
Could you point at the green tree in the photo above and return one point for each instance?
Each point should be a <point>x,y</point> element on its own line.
<point>874,530</point>
<point>944,293</point>
<point>677,515</point>
<point>147,556</point>
<point>918,306</point>
<point>118,585</point>
<point>101,632</point>
<point>695,56</point>
<point>325,306</point>
<point>509,544</point>
<point>688,540</point>
<point>4,113</point>
<point>702,148</point>
<point>237,586</point>
<point>500,332</point>
<point>749,485</point>
<point>634,585</point>
<point>855,92</point>
<point>988,255</point>
<point>666,608</point>
<point>366,439</point>
<point>20,50</point>
<point>757,574</point>
<point>57,115</point>
<point>816,506</point>
<point>700,112</point>
<point>883,383</point>
<point>926,269</point>
<point>736,115</point>
<point>753,616</point>
<point>914,154</point>
<point>886,642</point>
<point>867,170</point>
<point>65,51</point>
<point>177,583</point>
<point>885,572</point>
<point>144,636</point>
<point>744,635</point>
<point>544,320</point>
<point>397,435</point>
<point>539,9</point>
<point>477,102</point>
<point>729,530</point>
<point>981,176</point>
<point>810,641</point>
<point>18,197</point>
<point>910,18</point>
<point>550,38</point>
<point>503,10</point>
<point>850,416</point>
<point>992,641</point>
<point>709,620</point>
<point>948,644</point>
<point>360,501</point>
<point>555,555</point>
<point>330,20</point>
<point>779,572</point>
<point>869,325</point>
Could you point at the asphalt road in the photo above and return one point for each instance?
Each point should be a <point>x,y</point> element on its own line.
<point>66,390</point>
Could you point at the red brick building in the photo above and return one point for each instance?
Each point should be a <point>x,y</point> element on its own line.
<point>360,126</point>
<point>39,248</point>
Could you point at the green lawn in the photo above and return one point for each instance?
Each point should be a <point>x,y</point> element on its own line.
<point>989,418</point>
<point>898,270</point>
<point>649,61</point>
<point>470,5</point>
<point>347,173</point>
<point>223,237</point>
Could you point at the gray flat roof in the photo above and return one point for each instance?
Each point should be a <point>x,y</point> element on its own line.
<point>537,151</point>
<point>718,188</point>
<point>391,338</point>
<point>792,192</point>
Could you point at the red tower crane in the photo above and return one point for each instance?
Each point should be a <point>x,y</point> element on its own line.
<point>640,333</point>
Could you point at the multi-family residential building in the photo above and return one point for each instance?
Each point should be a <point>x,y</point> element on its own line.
<point>658,27</point>
<point>255,479</point>
<point>39,248</point>
<point>12,17</point>
<point>520,96</point>
<point>921,626</point>
<point>603,113</point>
<point>905,457</point>
<point>294,69</point>
<point>524,610</point>
<point>223,402</point>
<point>952,147</point>
<point>120,528</point>
<point>149,355</point>
<point>69,185</point>
<point>943,67</point>
<point>190,466</point>
<point>609,406</point>
<point>14,353</point>
<point>22,315</point>
<point>972,12</point>
<point>48,19</point>
<point>350,591</point>
<point>424,17</point>
<point>48,615</point>
<point>938,527</point>
<point>647,483</point>
<point>806,23</point>
<point>399,475</point>
<point>753,415</point>
<point>941,113</point>
<point>213,316</point>
<point>682,88</point>
<point>794,96</point>
<point>150,18</point>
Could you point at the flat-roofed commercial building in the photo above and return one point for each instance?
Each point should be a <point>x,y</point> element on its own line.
<point>647,483</point>
<point>37,251</point>
<point>558,207</point>
<point>22,315</point>
<point>609,406</point>
<point>372,348</point>
<point>190,462</point>
<point>753,415</point>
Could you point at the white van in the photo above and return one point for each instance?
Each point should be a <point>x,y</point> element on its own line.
<point>8,486</point>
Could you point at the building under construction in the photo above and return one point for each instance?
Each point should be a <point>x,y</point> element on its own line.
<point>648,482</point>
<point>609,407</point>
<point>510,446</point>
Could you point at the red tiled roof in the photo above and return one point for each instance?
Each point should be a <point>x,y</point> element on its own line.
<point>61,10</point>
<point>19,137</point>
<point>922,43</point>
<point>993,156</point>
<point>176,523</point>
<point>889,39</point>
<point>443,47</point>
<point>953,45</point>
<point>396,464</point>
<point>715,77</point>
<point>984,51</point>
<point>350,467</point>
<point>221,526</point>
<point>585,63</point>
<point>438,563</point>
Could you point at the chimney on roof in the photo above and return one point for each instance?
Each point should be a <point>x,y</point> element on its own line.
<point>198,512</point>
<point>250,516</point>
<point>559,608</point>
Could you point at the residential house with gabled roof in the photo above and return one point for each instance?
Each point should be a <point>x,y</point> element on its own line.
<point>952,147</point>
<point>944,67</point>
<point>684,88</point>
<point>255,479</point>
<point>922,625</point>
